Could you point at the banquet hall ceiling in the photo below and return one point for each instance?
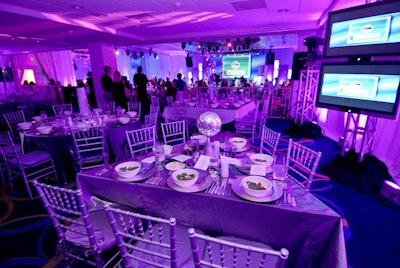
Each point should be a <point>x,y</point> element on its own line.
<point>42,25</point>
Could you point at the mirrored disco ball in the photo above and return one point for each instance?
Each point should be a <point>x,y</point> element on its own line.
<point>209,124</point>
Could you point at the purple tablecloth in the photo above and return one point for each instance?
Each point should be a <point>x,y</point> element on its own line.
<point>61,146</point>
<point>311,231</point>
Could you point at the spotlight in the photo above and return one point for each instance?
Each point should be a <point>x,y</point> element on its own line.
<point>229,44</point>
<point>116,52</point>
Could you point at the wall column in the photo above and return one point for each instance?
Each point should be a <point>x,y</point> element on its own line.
<point>101,55</point>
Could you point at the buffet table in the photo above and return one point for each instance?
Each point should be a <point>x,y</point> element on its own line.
<point>311,231</point>
<point>227,115</point>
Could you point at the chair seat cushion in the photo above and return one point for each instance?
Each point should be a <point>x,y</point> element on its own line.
<point>270,261</point>
<point>32,158</point>
<point>102,231</point>
<point>183,249</point>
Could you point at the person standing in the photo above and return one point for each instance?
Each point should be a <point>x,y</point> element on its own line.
<point>180,86</point>
<point>140,81</point>
<point>107,84</point>
<point>119,95</point>
<point>91,96</point>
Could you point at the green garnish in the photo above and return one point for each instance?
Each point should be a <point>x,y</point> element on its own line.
<point>124,169</point>
<point>255,186</point>
<point>261,160</point>
<point>185,177</point>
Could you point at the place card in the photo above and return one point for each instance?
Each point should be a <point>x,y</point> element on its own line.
<point>181,157</point>
<point>149,160</point>
<point>258,170</point>
<point>203,163</point>
<point>230,160</point>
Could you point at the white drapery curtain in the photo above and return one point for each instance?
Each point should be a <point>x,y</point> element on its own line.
<point>386,144</point>
<point>19,64</point>
<point>58,65</point>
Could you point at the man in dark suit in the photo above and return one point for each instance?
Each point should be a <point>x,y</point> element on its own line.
<point>107,84</point>
<point>140,81</point>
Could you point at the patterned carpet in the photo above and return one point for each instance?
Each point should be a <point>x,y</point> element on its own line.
<point>27,238</point>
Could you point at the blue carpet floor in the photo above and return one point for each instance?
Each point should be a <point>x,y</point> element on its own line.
<point>27,238</point>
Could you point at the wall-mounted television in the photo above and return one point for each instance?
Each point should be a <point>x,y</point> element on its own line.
<point>372,30</point>
<point>236,66</point>
<point>367,88</point>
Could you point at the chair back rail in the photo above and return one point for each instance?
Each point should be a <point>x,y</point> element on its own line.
<point>269,141</point>
<point>157,233</point>
<point>220,259</point>
<point>141,141</point>
<point>69,214</point>
<point>302,162</point>
<point>174,133</point>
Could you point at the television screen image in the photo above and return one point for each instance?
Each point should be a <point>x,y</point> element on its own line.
<point>369,88</point>
<point>236,66</point>
<point>372,29</point>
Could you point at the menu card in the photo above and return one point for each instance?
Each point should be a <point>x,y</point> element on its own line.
<point>260,170</point>
<point>203,163</point>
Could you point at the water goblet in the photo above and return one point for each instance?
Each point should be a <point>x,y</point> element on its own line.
<point>159,155</point>
<point>279,168</point>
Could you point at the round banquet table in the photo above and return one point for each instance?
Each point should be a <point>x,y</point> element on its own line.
<point>227,115</point>
<point>61,146</point>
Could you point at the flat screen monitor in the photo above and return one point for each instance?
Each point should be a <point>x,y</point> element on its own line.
<point>236,66</point>
<point>367,88</point>
<point>372,30</point>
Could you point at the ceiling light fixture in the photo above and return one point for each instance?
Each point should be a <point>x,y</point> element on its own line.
<point>283,10</point>
<point>76,7</point>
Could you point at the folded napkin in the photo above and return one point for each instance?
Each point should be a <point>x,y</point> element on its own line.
<point>181,158</point>
<point>149,160</point>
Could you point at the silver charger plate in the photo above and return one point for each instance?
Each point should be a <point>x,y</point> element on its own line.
<point>276,193</point>
<point>137,177</point>
<point>197,187</point>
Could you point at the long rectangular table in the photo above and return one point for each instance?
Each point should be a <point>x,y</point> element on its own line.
<point>311,231</point>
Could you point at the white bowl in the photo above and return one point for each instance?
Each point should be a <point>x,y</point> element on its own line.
<point>236,105</point>
<point>238,142</point>
<point>257,181</point>
<point>187,180</point>
<point>201,138</point>
<point>214,105</point>
<point>44,129</point>
<point>37,119</point>
<point>261,159</point>
<point>128,169</point>
<point>167,149</point>
<point>67,113</point>
<point>191,104</point>
<point>97,110</point>
<point>132,113</point>
<point>124,120</point>
<point>24,125</point>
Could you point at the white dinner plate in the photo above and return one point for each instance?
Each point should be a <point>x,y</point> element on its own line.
<point>172,166</point>
<point>240,150</point>
<point>137,177</point>
<point>197,187</point>
<point>246,169</point>
<point>275,194</point>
